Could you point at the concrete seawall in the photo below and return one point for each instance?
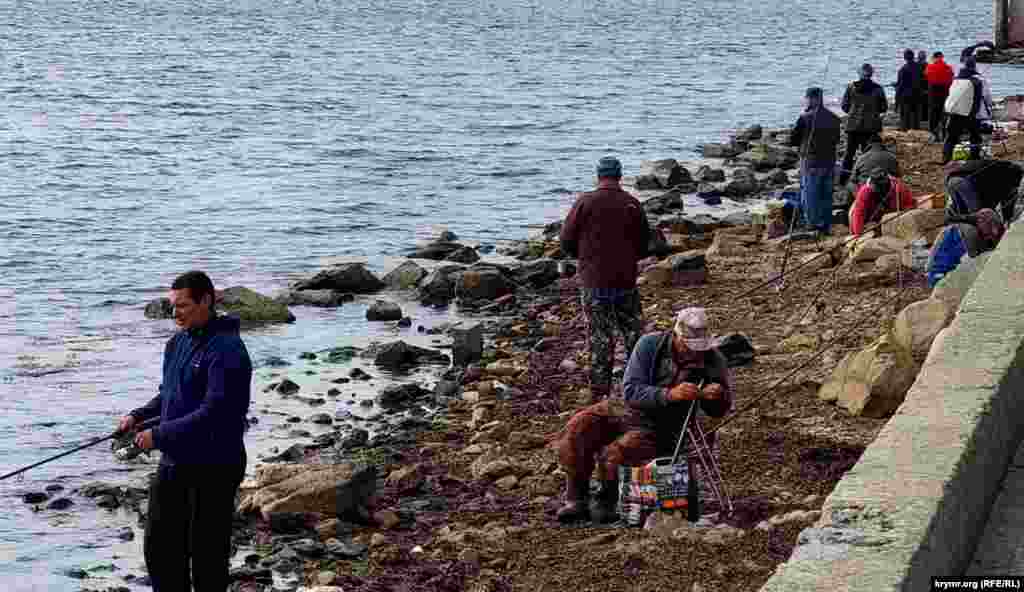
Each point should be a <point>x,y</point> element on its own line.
<point>916,503</point>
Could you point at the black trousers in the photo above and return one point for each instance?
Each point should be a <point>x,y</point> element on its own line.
<point>188,527</point>
<point>958,124</point>
<point>909,114</point>
<point>854,142</point>
<point>936,112</point>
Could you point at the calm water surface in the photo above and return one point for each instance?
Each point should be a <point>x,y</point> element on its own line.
<point>260,140</point>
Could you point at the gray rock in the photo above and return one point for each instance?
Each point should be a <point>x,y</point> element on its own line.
<point>706,174</point>
<point>319,298</point>
<point>398,354</point>
<point>358,438</point>
<point>347,277</point>
<point>437,251</point>
<point>537,274</point>
<point>54,488</point>
<point>438,288</point>
<point>778,177</point>
<point>345,550</point>
<point>718,150</point>
<point>401,395</point>
<point>406,276</point>
<point>107,501</point>
<point>405,322</point>
<point>467,344</point>
<point>126,534</point>
<point>667,173</point>
<point>62,503</point>
<point>293,453</point>
<point>159,308</point>
<point>669,201</point>
<point>741,218</point>
<point>321,419</point>
<point>753,132</point>
<point>98,488</point>
<point>36,497</point>
<point>445,389</point>
<point>76,573</point>
<point>342,354</point>
<point>308,548</point>
<point>736,348</point>
<point>482,284</point>
<point>463,255</point>
<point>381,310</point>
<point>287,387</point>
<point>251,306</point>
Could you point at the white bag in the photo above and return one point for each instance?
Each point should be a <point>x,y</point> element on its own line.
<point>961,97</point>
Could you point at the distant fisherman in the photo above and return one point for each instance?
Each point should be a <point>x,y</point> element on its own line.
<point>865,102</point>
<point>607,230</point>
<point>817,133</point>
<point>202,403</point>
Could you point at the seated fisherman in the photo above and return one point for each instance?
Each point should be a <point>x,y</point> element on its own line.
<point>660,384</point>
<point>877,156</point>
<point>974,185</point>
<point>881,195</point>
<point>972,234</point>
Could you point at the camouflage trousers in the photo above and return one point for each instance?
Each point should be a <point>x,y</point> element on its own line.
<point>598,436</point>
<point>621,312</point>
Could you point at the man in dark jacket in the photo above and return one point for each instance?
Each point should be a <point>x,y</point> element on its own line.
<point>202,404</point>
<point>939,77</point>
<point>922,89</point>
<point>876,157</point>
<point>978,184</point>
<point>607,230</point>
<point>908,84</point>
<point>663,379</point>
<point>865,103</point>
<point>817,133</point>
<point>966,119</point>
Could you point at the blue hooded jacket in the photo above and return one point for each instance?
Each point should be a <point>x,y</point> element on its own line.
<point>203,398</point>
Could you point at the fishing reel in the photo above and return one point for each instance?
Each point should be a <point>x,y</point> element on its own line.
<point>124,447</point>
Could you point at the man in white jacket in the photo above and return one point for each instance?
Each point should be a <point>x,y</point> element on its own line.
<point>968,104</point>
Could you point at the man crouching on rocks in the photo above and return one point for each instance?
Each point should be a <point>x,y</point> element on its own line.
<point>202,403</point>
<point>661,383</point>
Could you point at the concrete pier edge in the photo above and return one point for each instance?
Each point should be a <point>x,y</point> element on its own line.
<point>916,503</point>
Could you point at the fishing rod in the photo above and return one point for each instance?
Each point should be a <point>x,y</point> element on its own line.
<point>146,424</point>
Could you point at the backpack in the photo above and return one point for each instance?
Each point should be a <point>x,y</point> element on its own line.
<point>961,97</point>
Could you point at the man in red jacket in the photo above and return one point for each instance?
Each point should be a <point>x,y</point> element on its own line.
<point>940,77</point>
<point>607,230</point>
<point>881,195</point>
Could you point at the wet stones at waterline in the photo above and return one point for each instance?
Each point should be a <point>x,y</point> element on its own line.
<point>238,301</point>
<point>346,277</point>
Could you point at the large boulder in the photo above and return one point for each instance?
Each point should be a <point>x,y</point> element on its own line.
<point>919,322</point>
<point>482,284</point>
<point>537,274</point>
<point>872,382</point>
<point>398,354</point>
<point>706,174</point>
<point>868,248</point>
<point>670,201</point>
<point>729,245</point>
<point>743,183</point>
<point>346,277</point>
<point>684,269</point>
<point>952,288</point>
<point>463,255</point>
<point>319,298</point>
<point>438,287</point>
<point>666,173</point>
<point>436,251</point>
<point>720,150</point>
<point>342,489</point>
<point>467,345</point>
<point>250,306</point>
<point>913,224</point>
<point>405,277</point>
<point>401,395</point>
<point>764,157</point>
<point>159,308</point>
<point>382,310</point>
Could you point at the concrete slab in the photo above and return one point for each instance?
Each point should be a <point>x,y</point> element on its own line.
<point>1001,550</point>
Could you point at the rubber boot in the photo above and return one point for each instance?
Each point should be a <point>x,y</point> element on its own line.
<point>577,497</point>
<point>603,509</point>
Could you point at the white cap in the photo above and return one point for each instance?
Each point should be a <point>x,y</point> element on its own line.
<point>692,327</point>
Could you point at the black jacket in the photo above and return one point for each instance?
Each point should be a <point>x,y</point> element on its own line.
<point>817,134</point>
<point>995,181</point>
<point>865,103</point>
<point>908,81</point>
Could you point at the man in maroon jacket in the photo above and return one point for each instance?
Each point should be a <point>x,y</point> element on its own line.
<point>607,231</point>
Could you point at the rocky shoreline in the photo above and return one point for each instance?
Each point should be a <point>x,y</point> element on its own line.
<point>445,480</point>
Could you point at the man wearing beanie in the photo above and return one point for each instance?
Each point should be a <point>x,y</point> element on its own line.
<point>607,230</point>
<point>865,103</point>
<point>817,134</point>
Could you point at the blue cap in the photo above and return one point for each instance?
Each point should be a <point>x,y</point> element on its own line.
<point>609,166</point>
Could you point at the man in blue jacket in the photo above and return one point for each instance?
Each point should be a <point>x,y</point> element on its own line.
<point>202,404</point>
<point>662,381</point>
